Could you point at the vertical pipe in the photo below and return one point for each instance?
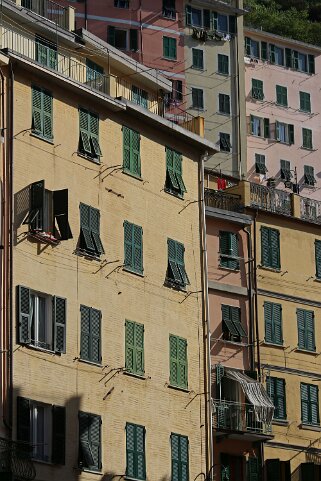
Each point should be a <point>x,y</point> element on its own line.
<point>257,337</point>
<point>250,299</point>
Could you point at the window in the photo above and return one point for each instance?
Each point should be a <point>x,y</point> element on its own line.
<point>135,451</point>
<point>257,89</point>
<point>270,248</point>
<point>222,64</point>
<point>206,19</point>
<point>46,52</point>
<point>139,96</point>
<point>89,240</point>
<point>309,404</point>
<point>123,39</point>
<point>193,16</point>
<point>281,95</point>
<point>169,9</point>
<point>260,167</point>
<point>253,469</point>
<point>42,320</point>
<point>278,56</point>
<point>198,58</point>
<point>231,323</point>
<point>197,99</point>
<point>178,362</point>
<point>275,388</point>
<point>225,142</point>
<point>121,3</point>
<point>305,102</point>
<point>176,273</point>
<point>48,213</point>
<point>133,248</point>
<point>169,48</point>
<point>90,344</point>
<point>131,152</point>
<point>318,259</point>
<point>276,469</point>
<point>42,113</point>
<point>42,426</point>
<point>286,173</point>
<point>284,133</point>
<point>224,104</point>
<point>260,127</point>
<point>229,250</point>
<point>307,139</point>
<point>89,441</point>
<point>180,463</point>
<point>309,178</point>
<point>273,323</point>
<point>134,347</point>
<point>306,337</point>
<point>174,179</point>
<point>252,48</point>
<point>89,135</point>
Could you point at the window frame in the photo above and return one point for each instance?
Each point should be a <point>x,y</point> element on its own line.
<point>277,398</point>
<point>305,100</point>
<point>263,127</point>
<point>257,91</point>
<point>200,95</point>
<point>170,48</point>
<point>199,64</point>
<point>225,142</point>
<point>224,104</point>
<point>260,164</point>
<point>223,59</point>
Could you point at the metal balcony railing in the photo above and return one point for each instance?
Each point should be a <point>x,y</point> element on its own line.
<point>222,200</point>
<point>310,210</point>
<point>234,416</point>
<point>270,199</point>
<point>15,458</point>
<point>48,9</point>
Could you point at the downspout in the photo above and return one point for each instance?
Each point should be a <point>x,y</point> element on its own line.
<point>257,338</point>
<point>86,15</point>
<point>250,300</point>
<point>141,33</point>
<point>208,386</point>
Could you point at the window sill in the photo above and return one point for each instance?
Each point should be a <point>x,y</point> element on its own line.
<point>306,351</point>
<point>281,105</point>
<point>41,349</point>
<point>223,74</point>
<point>134,479</point>
<point>171,284</point>
<point>199,69</point>
<point>234,343</point>
<point>308,112</point>
<point>132,271</point>
<point>169,59</point>
<point>91,363</point>
<point>280,422</point>
<point>95,160</point>
<point>225,151</point>
<point>228,269</point>
<point>87,255</point>
<point>273,344</point>
<point>310,427</point>
<point>170,192</point>
<point>199,109</point>
<point>43,237</point>
<point>271,269</point>
<point>177,388</point>
<point>132,374</point>
<point>317,279</point>
<point>225,114</point>
<point>41,137</point>
<point>308,149</point>
<point>135,176</point>
<point>91,471</point>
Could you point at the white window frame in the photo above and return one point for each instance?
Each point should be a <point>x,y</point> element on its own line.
<point>227,20</point>
<point>202,18</point>
<point>286,133</point>
<point>261,127</point>
<point>35,419</point>
<point>34,297</point>
<point>283,56</point>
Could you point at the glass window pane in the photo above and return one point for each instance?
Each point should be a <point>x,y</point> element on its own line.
<point>121,39</point>
<point>279,56</point>
<point>222,23</point>
<point>196,17</point>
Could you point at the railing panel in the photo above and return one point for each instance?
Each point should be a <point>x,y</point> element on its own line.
<point>222,200</point>
<point>48,9</point>
<point>269,199</point>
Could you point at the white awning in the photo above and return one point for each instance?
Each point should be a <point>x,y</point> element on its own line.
<point>256,394</point>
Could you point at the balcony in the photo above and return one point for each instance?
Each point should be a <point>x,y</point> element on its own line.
<point>61,16</point>
<point>219,199</point>
<point>270,199</point>
<point>15,461</point>
<point>234,417</point>
<point>310,210</point>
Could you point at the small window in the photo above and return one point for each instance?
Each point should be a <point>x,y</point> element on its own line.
<point>133,248</point>
<point>198,58</point>
<point>174,178</point>
<point>223,64</point>
<point>176,95</point>
<point>303,62</point>
<point>284,133</point>
<point>260,167</point>
<point>252,48</point>
<point>169,48</point>
<point>180,457</point>
<point>123,39</point>
<point>309,178</point>
<point>275,388</point>
<point>257,89</point>
<point>197,99</point>
<point>41,427</point>
<point>193,16</point>
<point>278,56</point>
<point>231,324</point>
<point>286,173</point>
<point>42,320</point>
<point>305,102</point>
<point>224,104</point>
<point>134,347</point>
<point>135,452</point>
<point>89,241</point>
<point>273,323</point>
<point>270,248</point>
<point>90,327</point>
<point>259,127</point>
<point>281,95</point>
<point>131,152</point>
<point>307,139</point>
<point>42,112</point>
<point>178,362</point>
<point>121,3</point>
<point>229,251</point>
<point>318,259</point>
<point>310,404</point>
<point>89,135</point>
<point>225,142</point>
<point>169,9</point>
<point>306,336</point>
<point>46,52</point>
<point>89,441</point>
<point>176,273</point>
<point>139,97</point>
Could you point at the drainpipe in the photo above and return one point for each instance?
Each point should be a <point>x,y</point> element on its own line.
<point>255,300</point>
<point>141,33</point>
<point>86,15</point>
<point>207,353</point>
<point>250,297</point>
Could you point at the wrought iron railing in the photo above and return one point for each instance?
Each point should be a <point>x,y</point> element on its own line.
<point>311,210</point>
<point>48,9</point>
<point>222,200</point>
<point>15,458</point>
<point>270,199</point>
<point>234,416</point>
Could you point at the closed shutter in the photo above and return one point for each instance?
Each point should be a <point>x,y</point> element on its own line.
<point>232,24</point>
<point>95,230</point>
<point>175,457</point>
<point>265,247</point>
<point>291,133</point>
<point>59,323</point>
<point>253,469</point>
<point>311,64</point>
<point>318,258</point>
<point>128,244</point>
<point>126,148</point>
<point>234,263</point>
<point>301,328</point>
<point>305,403</point>
<point>58,434</point>
<point>179,455</point>
<point>275,248</point>
<point>273,471</point>
<point>23,420</point>
<point>139,348</point>
<point>37,110</point>
<point>277,324</point>
<point>135,451</point>
<point>85,333</point>
<point>314,404</point>
<point>95,328</point>
<point>224,248</point>
<point>24,314</point>
<point>266,126</point>
<point>133,40</point>
<point>130,345</point>
<point>288,57</point>
<point>166,47</point>
<point>206,18</point>
<point>270,389</point>
<point>130,450</point>
<point>264,51</point>
<point>309,326</point>
<point>84,132</point>
<point>140,452</point>
<point>268,321</point>
<point>95,440</point>
<point>86,241</point>
<point>47,115</point>
<point>182,362</point>
<point>173,359</point>
<point>138,248</point>
<point>184,464</point>
<point>280,405</point>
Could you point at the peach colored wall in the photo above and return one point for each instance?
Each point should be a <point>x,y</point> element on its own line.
<point>295,81</point>
<point>232,447</point>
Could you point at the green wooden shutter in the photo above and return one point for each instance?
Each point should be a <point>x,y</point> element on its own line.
<point>177,162</point>
<point>170,175</point>
<point>265,247</point>
<point>291,133</point>
<point>133,39</point>
<point>227,320</point>
<point>111,35</point>
<point>305,403</point>
<point>24,319</point>
<point>234,251</point>
<point>309,327</point>
<point>232,24</point>
<point>270,388</point>
<point>236,320</point>
<point>268,322</point>
<point>288,57</point>
<point>135,153</point>
<point>84,132</point>
<point>59,323</point>
<point>173,354</point>
<point>175,457</point>
<point>277,323</point>
<point>224,248</point>
<point>95,440</point>
<point>47,115</point>
<point>280,405</point>
<point>85,339</point>
<point>301,328</point>
<point>23,420</point>
<point>273,470</point>
<point>264,52</point>
<point>253,469</point>
<point>95,328</point>
<point>140,453</point>
<point>128,244</point>
<point>182,362</point>
<point>318,258</point>
<point>295,59</point>
<point>135,451</point>
<point>266,123</point>
<point>86,241</point>
<point>130,345</point>
<point>275,248</point>
<point>58,434</point>
<point>126,148</point>
<point>95,230</point>
<point>311,64</point>
<point>94,134</point>
<point>166,53</point>
<point>214,20</point>
<point>138,249</point>
<point>130,450</point>
<point>173,48</point>
<point>180,250</point>
<point>36,110</point>
<point>173,271</point>
<point>314,404</point>
<point>184,464</point>
<point>139,348</point>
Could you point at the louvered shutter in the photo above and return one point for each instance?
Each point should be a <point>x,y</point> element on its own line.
<point>314,404</point>
<point>95,230</point>
<point>94,134</point>
<point>275,248</point>
<point>130,451</point>
<point>60,201</point>
<point>95,327</point>
<point>206,18</point>
<point>130,345</point>
<point>85,340</point>
<point>58,434</point>
<point>137,233</point>
<point>135,153</point>
<point>139,349</point>
<point>304,403</point>
<point>173,272</point>
<point>166,47</point>
<point>277,323</point>
<point>264,51</point>
<point>227,320</point>
<point>279,95</point>
<point>84,132</point>
<point>307,471</point>
<point>37,110</point>
<point>171,178</point>
<point>95,440</point>
<point>182,362</point>
<point>236,320</point>
<point>225,467</point>
<point>178,171</point>
<point>86,459</point>
<point>224,248</point>
<point>126,148</point>
<point>59,323</point>
<point>253,469</point>
<point>23,419</point>
<point>180,250</point>
<point>47,115</point>
<point>128,245</point>
<point>311,64</point>
<point>268,323</point>
<point>173,357</point>
<point>301,328</point>
<point>111,35</point>
<point>273,472</point>
<point>234,251</point>
<point>265,247</point>
<point>184,465</point>
<point>175,457</point>
<point>266,124</point>
<point>291,133</point>
<point>318,258</point>
<point>309,327</point>
<point>24,314</point>
<point>280,406</point>
<point>140,452</point>
<point>270,388</point>
<point>37,201</point>
<point>288,57</point>
<point>86,241</point>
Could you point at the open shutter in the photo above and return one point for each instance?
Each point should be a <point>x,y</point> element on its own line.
<point>24,320</point>
<point>95,440</point>
<point>94,133</point>
<point>23,419</point>
<point>227,320</point>
<point>139,348</point>
<point>111,35</point>
<point>133,39</point>
<point>95,230</point>
<point>85,333</point>
<point>175,457</point>
<point>301,328</point>
<point>86,459</point>
<point>37,110</point>
<point>314,404</point>
<point>126,148</point>
<point>236,320</point>
<point>307,471</point>
<point>171,178</point>
<point>182,362</point>
<point>318,258</point>
<point>59,305</point>
<point>304,403</point>
<point>138,248</point>
<point>37,201</point>
<point>291,133</point>
<point>95,328</point>
<point>140,452</point>
<point>84,132</point>
<point>295,59</point>
<point>130,451</point>
<point>58,434</point>
<point>128,244</point>
<point>47,115</point>
<point>225,467</point>
<point>173,355</point>
<point>86,241</point>
<point>180,250</point>
<point>60,208</point>
<point>311,64</point>
<point>232,24</point>
<point>273,472</point>
<point>177,160</point>
<point>130,345</point>
<point>173,272</point>
<point>224,248</point>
